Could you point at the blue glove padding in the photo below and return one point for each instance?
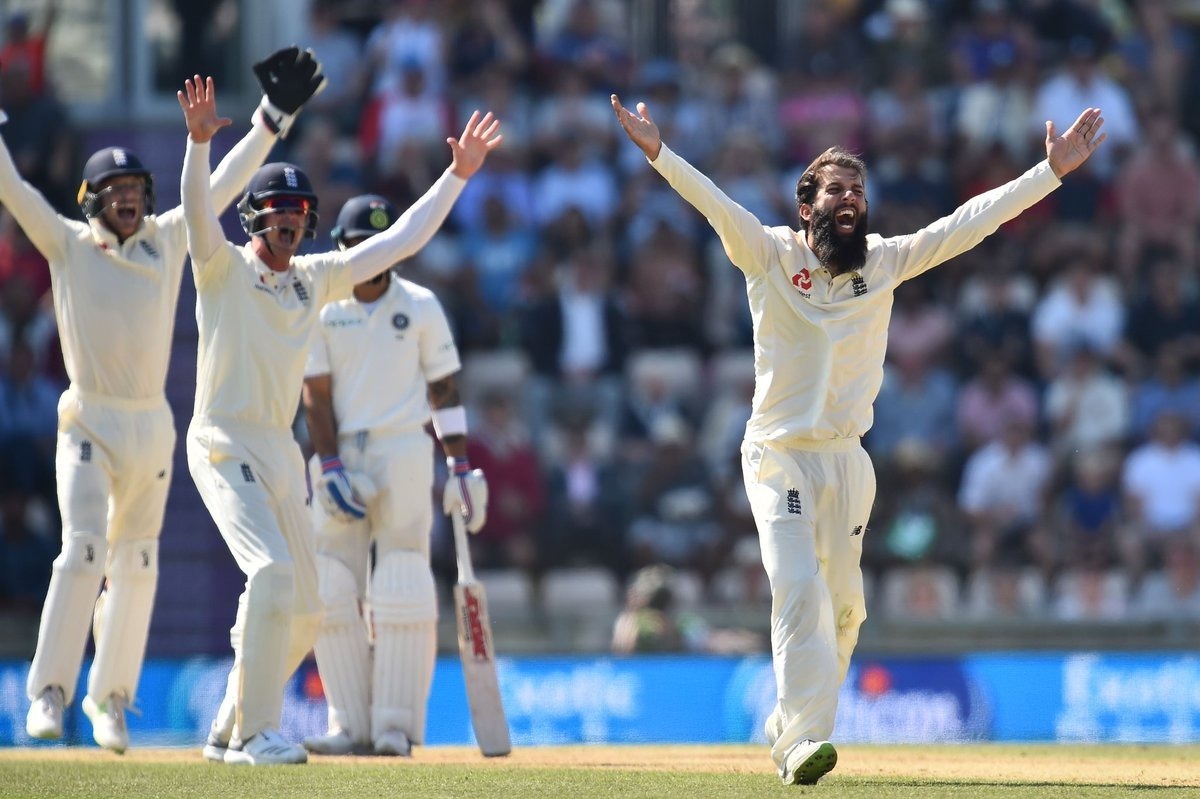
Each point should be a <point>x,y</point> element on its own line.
<point>466,490</point>
<point>337,493</point>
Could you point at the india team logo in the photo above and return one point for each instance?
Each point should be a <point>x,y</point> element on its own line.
<point>378,218</point>
<point>400,321</point>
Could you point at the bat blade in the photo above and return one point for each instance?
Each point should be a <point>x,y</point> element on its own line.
<point>479,669</point>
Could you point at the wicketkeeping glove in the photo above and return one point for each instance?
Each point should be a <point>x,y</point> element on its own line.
<point>466,490</point>
<point>338,493</point>
<point>289,79</point>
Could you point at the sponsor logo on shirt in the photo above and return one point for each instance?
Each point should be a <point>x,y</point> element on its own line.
<point>793,501</point>
<point>802,280</point>
<point>343,323</point>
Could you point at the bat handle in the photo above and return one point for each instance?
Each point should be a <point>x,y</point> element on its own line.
<point>462,551</point>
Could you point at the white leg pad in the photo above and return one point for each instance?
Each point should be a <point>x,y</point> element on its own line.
<point>264,639</point>
<point>404,616</point>
<point>122,622</point>
<point>343,654</point>
<point>67,614</point>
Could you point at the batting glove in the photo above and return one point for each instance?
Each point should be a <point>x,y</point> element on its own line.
<point>337,493</point>
<point>466,491</point>
<point>289,79</point>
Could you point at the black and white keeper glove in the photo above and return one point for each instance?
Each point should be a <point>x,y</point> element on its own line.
<point>289,79</point>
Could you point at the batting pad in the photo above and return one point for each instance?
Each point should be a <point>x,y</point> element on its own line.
<point>404,615</point>
<point>123,621</point>
<point>67,614</point>
<point>343,655</point>
<point>264,639</point>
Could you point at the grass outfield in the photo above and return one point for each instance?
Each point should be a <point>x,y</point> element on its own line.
<point>576,772</point>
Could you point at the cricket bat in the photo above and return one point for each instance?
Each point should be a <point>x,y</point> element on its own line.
<point>477,651</point>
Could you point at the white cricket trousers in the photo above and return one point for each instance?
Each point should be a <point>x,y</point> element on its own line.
<point>251,479</point>
<point>113,465</point>
<point>811,503</point>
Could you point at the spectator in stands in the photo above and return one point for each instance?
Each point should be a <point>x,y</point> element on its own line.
<point>587,511</point>
<point>737,101</point>
<point>916,402</point>
<point>1169,388</point>
<point>675,513</point>
<point>1161,484</point>
<point>28,47</point>
<point>920,328</point>
<point>989,399</point>
<point>1003,494</point>
<point>571,110</point>
<point>1087,407</point>
<point>498,253</point>
<point>26,554</point>
<point>1164,313</point>
<point>994,305</point>
<point>408,35</point>
<point>408,118</point>
<point>341,52</point>
<point>1089,510</point>
<point>483,42</point>
<point>665,286</point>
<point>995,110</point>
<point>20,259</point>
<point>1174,592</point>
<point>24,316</point>
<point>1089,592</point>
<point>917,520</point>
<point>575,178</point>
<point>40,137</point>
<point>500,446</point>
<point>1157,215</point>
<point>584,43</point>
<point>823,104</point>
<point>1084,305</point>
<point>28,425</point>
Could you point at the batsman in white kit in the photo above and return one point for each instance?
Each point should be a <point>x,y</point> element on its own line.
<point>382,360</point>
<point>820,300</point>
<point>116,283</point>
<point>257,310</point>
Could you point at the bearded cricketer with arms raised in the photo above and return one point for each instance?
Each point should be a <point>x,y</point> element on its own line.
<point>820,300</point>
<point>257,311</point>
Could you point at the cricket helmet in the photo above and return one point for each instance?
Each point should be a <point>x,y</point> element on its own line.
<point>111,162</point>
<point>361,217</point>
<point>275,186</point>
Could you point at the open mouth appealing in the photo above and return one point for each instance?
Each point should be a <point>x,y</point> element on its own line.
<point>126,214</point>
<point>845,220</point>
<point>287,235</point>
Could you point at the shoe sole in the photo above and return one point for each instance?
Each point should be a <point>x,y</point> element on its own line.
<point>214,753</point>
<point>814,767</point>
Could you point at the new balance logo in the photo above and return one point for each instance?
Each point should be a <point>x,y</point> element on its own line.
<point>793,501</point>
<point>162,474</point>
<point>247,473</point>
<point>858,284</point>
<point>85,452</point>
<point>856,531</point>
<point>89,554</point>
<point>145,559</point>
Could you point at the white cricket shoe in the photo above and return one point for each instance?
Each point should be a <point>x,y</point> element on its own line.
<point>336,742</point>
<point>45,719</point>
<point>108,722</point>
<point>267,748</point>
<point>808,762</point>
<point>394,743</point>
<point>215,747</point>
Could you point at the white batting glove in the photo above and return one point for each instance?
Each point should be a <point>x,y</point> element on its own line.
<point>337,493</point>
<point>466,491</point>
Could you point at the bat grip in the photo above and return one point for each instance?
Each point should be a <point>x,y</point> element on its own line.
<point>462,551</point>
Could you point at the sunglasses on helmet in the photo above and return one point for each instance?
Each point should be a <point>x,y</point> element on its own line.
<point>287,204</point>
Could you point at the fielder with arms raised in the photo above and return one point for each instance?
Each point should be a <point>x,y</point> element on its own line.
<point>257,312</point>
<point>380,361</point>
<point>116,282</point>
<point>820,300</point>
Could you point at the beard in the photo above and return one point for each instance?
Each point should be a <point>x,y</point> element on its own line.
<point>836,252</point>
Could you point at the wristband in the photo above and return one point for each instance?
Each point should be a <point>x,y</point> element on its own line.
<point>274,119</point>
<point>450,422</point>
<point>458,466</point>
<point>332,463</point>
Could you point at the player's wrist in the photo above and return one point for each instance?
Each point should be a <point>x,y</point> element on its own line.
<point>333,463</point>
<point>458,465</point>
<point>274,118</point>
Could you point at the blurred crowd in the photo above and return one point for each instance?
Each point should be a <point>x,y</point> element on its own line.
<point>1036,434</point>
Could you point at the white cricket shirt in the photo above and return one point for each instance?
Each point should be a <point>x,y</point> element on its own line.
<point>381,362</point>
<point>256,325</point>
<point>115,303</point>
<point>819,340</point>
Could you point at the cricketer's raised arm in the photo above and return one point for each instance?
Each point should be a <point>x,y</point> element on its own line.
<point>409,233</point>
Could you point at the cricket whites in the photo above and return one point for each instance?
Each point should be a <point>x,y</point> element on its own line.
<point>478,654</point>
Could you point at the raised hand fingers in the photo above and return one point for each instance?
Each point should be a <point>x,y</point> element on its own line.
<point>471,123</point>
<point>488,119</point>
